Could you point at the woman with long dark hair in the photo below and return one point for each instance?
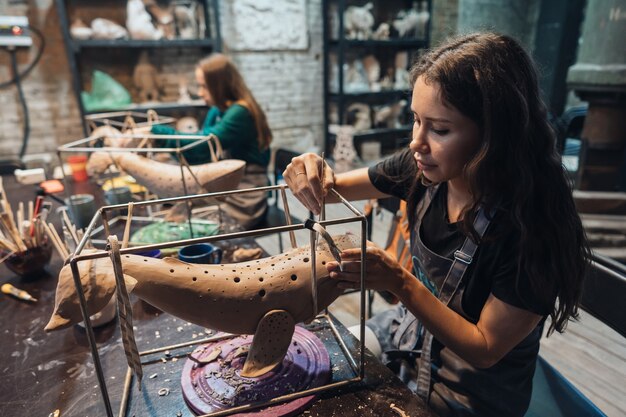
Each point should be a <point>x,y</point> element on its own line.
<point>240,124</point>
<point>496,241</point>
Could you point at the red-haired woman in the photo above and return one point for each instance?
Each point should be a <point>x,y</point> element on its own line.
<point>240,124</point>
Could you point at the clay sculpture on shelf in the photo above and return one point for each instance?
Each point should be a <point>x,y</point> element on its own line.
<point>146,79</point>
<point>186,21</point>
<point>107,29</point>
<point>358,21</point>
<point>80,30</point>
<point>139,22</point>
<point>165,179</point>
<point>264,297</point>
<point>163,17</point>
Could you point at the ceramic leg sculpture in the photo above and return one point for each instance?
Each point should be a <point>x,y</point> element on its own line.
<point>165,179</point>
<point>264,297</point>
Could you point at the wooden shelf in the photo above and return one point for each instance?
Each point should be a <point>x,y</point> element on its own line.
<point>399,43</point>
<point>133,43</point>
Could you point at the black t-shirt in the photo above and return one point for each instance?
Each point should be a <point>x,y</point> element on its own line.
<point>495,266</point>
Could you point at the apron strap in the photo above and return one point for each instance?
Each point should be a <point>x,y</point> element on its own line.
<point>405,324</point>
<point>462,259</point>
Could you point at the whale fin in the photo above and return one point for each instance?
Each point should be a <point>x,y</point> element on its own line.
<point>174,261</point>
<point>270,343</point>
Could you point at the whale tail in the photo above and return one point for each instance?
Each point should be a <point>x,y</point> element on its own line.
<point>270,343</point>
<point>98,284</point>
<point>221,175</point>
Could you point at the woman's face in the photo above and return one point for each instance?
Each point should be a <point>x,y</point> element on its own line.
<point>444,139</point>
<point>203,91</point>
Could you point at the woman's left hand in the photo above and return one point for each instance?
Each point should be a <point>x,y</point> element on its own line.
<point>382,273</point>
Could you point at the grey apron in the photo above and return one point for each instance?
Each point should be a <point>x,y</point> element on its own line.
<point>451,386</point>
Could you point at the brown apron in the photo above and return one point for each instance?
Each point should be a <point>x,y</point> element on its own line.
<point>249,209</point>
<point>451,386</point>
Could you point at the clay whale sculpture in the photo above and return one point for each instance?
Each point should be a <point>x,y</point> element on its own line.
<point>165,179</point>
<point>265,297</point>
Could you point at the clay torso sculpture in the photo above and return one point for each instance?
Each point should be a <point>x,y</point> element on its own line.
<point>146,79</point>
<point>264,297</point>
<point>165,179</point>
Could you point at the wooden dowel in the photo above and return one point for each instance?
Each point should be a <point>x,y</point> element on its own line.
<point>70,227</point>
<point>5,257</point>
<point>8,245</point>
<point>14,234</point>
<point>31,210</point>
<point>58,238</point>
<point>129,218</point>
<point>56,243</point>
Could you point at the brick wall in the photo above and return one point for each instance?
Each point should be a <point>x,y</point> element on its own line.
<point>286,81</point>
<point>54,116</point>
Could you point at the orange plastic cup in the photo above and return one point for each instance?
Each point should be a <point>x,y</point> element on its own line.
<point>78,164</point>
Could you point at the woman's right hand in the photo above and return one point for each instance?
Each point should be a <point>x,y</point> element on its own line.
<point>304,177</point>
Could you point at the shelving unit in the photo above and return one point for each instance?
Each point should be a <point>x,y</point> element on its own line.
<point>339,50</point>
<point>91,52</point>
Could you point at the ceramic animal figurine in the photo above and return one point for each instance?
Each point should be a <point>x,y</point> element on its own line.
<point>139,22</point>
<point>186,21</point>
<point>372,69</point>
<point>265,297</point>
<point>80,30</point>
<point>358,21</point>
<point>107,29</point>
<point>389,116</point>
<point>163,17</point>
<point>382,32</point>
<point>165,179</point>
<point>412,23</point>
<point>359,115</point>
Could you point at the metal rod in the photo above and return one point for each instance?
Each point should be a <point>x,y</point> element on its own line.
<point>179,154</point>
<point>313,235</point>
<point>344,348</point>
<point>282,398</point>
<point>362,320</point>
<point>215,338</point>
<point>126,392</point>
<point>292,235</point>
<point>91,338</point>
<point>208,239</point>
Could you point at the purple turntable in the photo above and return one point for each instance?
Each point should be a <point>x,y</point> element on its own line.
<point>218,385</point>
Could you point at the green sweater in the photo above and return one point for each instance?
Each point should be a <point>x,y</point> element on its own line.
<point>235,129</point>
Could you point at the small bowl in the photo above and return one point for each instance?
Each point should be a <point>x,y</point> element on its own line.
<point>30,263</point>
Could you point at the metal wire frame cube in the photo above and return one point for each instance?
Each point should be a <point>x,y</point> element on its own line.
<point>357,366</point>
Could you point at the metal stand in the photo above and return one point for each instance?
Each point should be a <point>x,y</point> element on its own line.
<point>357,367</point>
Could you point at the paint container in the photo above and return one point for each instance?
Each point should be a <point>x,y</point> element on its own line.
<point>78,165</point>
<point>200,253</point>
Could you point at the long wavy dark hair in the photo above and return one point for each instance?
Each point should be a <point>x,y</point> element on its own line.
<point>226,86</point>
<point>517,170</point>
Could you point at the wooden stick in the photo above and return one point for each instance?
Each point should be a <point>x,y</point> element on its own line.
<point>127,227</point>
<point>14,234</point>
<point>70,227</point>
<point>8,245</point>
<point>58,238</point>
<point>31,210</point>
<point>57,243</point>
<point>7,256</point>
<point>20,218</point>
